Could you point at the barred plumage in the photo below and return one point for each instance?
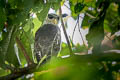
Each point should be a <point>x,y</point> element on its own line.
<point>47,39</point>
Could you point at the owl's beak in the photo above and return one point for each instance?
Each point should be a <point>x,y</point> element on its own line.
<point>55,21</point>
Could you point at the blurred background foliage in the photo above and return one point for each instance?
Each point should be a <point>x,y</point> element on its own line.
<point>22,18</point>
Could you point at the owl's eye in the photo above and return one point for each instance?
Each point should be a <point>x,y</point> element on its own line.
<point>50,17</point>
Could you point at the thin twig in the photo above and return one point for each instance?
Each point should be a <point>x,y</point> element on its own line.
<point>81,17</point>
<point>81,33</point>
<point>65,33</point>
<point>74,29</point>
<point>108,37</point>
<point>29,61</point>
<point>66,6</point>
<point>91,16</point>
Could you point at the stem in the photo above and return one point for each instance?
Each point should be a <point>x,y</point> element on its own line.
<point>29,61</point>
<point>65,33</point>
<point>80,32</point>
<point>74,29</point>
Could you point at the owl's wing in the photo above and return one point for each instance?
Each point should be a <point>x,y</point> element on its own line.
<point>47,41</point>
<point>38,51</point>
<point>56,43</point>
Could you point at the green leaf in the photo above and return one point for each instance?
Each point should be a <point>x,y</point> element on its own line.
<point>2,15</point>
<point>78,48</point>
<point>56,6</point>
<point>72,5</point>
<point>112,18</point>
<point>119,9</point>
<point>28,26</point>
<point>107,26</point>
<point>7,51</point>
<point>11,56</point>
<point>4,72</point>
<point>64,50</point>
<point>42,13</point>
<point>79,7</point>
<point>87,21</point>
<point>28,5</point>
<point>99,3</point>
<point>37,25</point>
<point>96,34</point>
<point>27,40</point>
<point>69,70</point>
<point>90,3</point>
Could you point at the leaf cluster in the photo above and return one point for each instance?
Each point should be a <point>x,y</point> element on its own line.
<point>21,18</point>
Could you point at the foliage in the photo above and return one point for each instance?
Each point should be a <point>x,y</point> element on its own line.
<point>17,20</point>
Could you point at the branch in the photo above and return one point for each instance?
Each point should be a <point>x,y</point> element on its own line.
<point>81,33</point>
<point>29,61</point>
<point>19,72</point>
<point>95,57</point>
<point>65,33</point>
<point>67,6</point>
<point>76,59</point>
<point>91,16</point>
<point>74,29</point>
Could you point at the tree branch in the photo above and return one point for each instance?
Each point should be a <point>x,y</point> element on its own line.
<point>29,61</point>
<point>76,59</point>
<point>74,29</point>
<point>95,57</point>
<point>80,32</point>
<point>19,72</point>
<point>65,33</point>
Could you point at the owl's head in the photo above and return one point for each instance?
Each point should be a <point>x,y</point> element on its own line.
<point>54,18</point>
